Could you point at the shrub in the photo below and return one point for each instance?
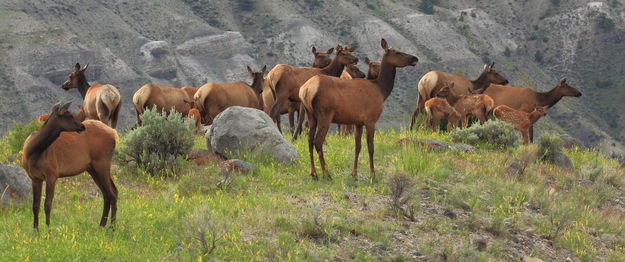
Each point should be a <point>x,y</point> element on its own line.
<point>13,141</point>
<point>427,6</point>
<point>492,132</point>
<point>403,191</point>
<point>204,230</point>
<point>549,145</point>
<point>160,144</point>
<point>604,22</point>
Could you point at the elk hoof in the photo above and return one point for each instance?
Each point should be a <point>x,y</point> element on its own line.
<point>314,177</point>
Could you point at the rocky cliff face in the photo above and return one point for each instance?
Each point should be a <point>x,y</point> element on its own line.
<point>191,42</point>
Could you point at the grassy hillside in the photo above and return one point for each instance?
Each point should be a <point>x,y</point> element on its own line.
<point>462,207</point>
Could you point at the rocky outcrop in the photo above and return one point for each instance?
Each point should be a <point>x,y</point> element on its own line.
<point>14,185</point>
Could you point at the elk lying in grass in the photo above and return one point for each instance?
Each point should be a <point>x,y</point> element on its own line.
<point>526,99</point>
<point>286,80</point>
<point>65,147</point>
<point>477,105</point>
<point>101,102</point>
<point>431,83</point>
<point>213,98</point>
<point>164,97</point>
<point>522,121</point>
<point>354,102</point>
<point>438,108</point>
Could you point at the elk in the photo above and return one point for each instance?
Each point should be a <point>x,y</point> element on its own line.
<point>213,98</point>
<point>433,81</point>
<point>80,115</point>
<point>286,80</point>
<point>195,115</point>
<point>63,147</point>
<point>522,121</point>
<point>479,105</point>
<point>101,102</point>
<point>438,108</point>
<point>164,97</point>
<point>356,102</point>
<point>320,60</point>
<point>350,72</point>
<point>374,69</point>
<point>526,99</point>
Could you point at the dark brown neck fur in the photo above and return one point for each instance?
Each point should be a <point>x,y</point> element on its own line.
<point>334,68</point>
<point>386,79</point>
<point>83,86</point>
<point>549,98</point>
<point>44,137</point>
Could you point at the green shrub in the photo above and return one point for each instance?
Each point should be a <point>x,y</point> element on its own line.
<point>549,145</point>
<point>427,6</point>
<point>13,141</point>
<point>493,132</point>
<point>160,144</point>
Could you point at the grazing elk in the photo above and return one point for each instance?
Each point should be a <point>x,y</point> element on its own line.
<point>438,108</point>
<point>213,98</point>
<point>101,102</point>
<point>64,146</point>
<point>286,80</point>
<point>522,121</point>
<point>355,102</point>
<point>526,99</point>
<point>433,81</point>
<point>164,97</point>
<point>374,69</point>
<point>479,105</point>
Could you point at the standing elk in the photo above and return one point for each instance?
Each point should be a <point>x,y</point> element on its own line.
<point>355,102</point>
<point>164,97</point>
<point>213,98</point>
<point>101,102</point>
<point>374,69</point>
<point>286,80</point>
<point>479,105</point>
<point>80,115</point>
<point>433,81</point>
<point>350,72</point>
<point>64,146</point>
<point>526,99</point>
<point>522,121</point>
<point>438,108</point>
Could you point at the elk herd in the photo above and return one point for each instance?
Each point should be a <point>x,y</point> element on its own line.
<point>333,90</point>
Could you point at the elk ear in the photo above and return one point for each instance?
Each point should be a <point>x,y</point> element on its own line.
<point>339,48</point>
<point>56,107</point>
<point>384,45</point>
<point>367,60</point>
<point>85,68</point>
<point>250,71</point>
<point>492,65</point>
<point>330,51</point>
<point>314,50</point>
<point>65,106</point>
<point>452,84</point>
<point>77,67</point>
<point>351,49</point>
<point>563,81</point>
<point>264,69</point>
<point>486,68</point>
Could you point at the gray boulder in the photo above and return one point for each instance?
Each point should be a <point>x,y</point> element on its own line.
<point>240,129</point>
<point>14,185</point>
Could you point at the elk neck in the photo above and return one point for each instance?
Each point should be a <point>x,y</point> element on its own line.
<point>44,137</point>
<point>534,116</point>
<point>549,98</point>
<point>334,68</point>
<point>83,86</point>
<point>386,79</point>
<point>481,82</point>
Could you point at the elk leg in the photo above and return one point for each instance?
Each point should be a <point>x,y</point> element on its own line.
<point>370,133</point>
<point>103,113</point>
<point>50,184</point>
<point>37,187</point>
<point>300,122</point>
<point>525,135</point>
<point>115,115</point>
<point>107,202</point>
<point>435,123</point>
<point>275,111</point>
<point>531,133</point>
<point>322,130</point>
<point>358,137</point>
<point>311,138</point>
<point>292,110</point>
<point>138,118</point>
<point>111,189</point>
<point>414,117</point>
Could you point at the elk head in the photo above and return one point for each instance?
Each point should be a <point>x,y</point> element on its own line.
<point>344,55</point>
<point>565,89</point>
<point>322,59</point>
<point>492,76</point>
<point>258,79</point>
<point>62,119</point>
<point>397,58</point>
<point>354,71</point>
<point>374,68</point>
<point>76,78</point>
<point>446,90</point>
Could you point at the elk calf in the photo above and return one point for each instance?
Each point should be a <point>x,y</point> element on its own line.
<point>522,121</point>
<point>478,105</point>
<point>195,114</point>
<point>437,109</point>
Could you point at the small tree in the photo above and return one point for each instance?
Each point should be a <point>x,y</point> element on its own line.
<point>159,144</point>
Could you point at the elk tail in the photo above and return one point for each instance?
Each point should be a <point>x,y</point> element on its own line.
<point>140,98</point>
<point>111,98</point>
<point>198,100</point>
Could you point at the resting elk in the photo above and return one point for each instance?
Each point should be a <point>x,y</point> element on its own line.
<point>320,60</point>
<point>522,121</point>
<point>101,102</point>
<point>64,146</point>
<point>526,99</point>
<point>479,105</point>
<point>164,97</point>
<point>286,79</point>
<point>354,102</point>
<point>213,98</point>
<point>433,81</point>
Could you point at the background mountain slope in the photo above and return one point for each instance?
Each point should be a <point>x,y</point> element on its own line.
<point>191,42</point>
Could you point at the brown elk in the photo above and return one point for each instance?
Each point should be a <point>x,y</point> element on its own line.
<point>164,97</point>
<point>526,99</point>
<point>195,115</point>
<point>213,98</point>
<point>374,69</point>
<point>65,147</point>
<point>286,80</point>
<point>433,81</point>
<point>438,108</point>
<point>355,102</point>
<point>80,115</point>
<point>479,105</point>
<point>321,59</point>
<point>522,121</point>
<point>101,102</point>
<point>350,72</point>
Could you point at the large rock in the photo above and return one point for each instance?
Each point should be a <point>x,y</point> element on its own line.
<point>241,129</point>
<point>14,184</point>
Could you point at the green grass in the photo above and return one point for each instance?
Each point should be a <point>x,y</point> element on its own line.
<point>279,213</point>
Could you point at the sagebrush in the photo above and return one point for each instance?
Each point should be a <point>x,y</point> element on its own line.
<point>494,132</point>
<point>13,141</point>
